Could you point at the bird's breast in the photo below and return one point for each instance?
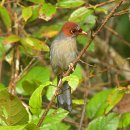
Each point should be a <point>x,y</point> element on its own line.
<point>63,52</point>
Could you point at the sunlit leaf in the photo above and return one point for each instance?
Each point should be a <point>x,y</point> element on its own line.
<point>17,127</point>
<point>124,120</point>
<point>27,13</point>
<point>11,39</point>
<point>47,11</point>
<point>97,105</point>
<point>54,117</point>
<point>11,109</point>
<point>60,126</point>
<point>35,101</point>
<point>4,14</point>
<point>2,48</point>
<point>35,75</point>
<point>48,31</point>
<point>35,9</point>
<point>37,1</point>
<point>34,44</point>
<point>101,10</point>
<point>114,98</point>
<point>78,72</point>
<point>109,122</point>
<point>73,81</point>
<point>78,101</point>
<point>20,127</point>
<point>80,14</point>
<point>31,126</point>
<point>2,86</point>
<point>70,3</point>
<point>50,91</point>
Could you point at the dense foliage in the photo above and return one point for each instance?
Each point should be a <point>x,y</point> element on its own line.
<point>100,82</point>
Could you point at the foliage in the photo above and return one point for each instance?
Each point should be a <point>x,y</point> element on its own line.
<point>27,28</point>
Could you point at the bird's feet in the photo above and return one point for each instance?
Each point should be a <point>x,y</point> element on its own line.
<point>71,66</point>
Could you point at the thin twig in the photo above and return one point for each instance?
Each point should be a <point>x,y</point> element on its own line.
<point>117,35</point>
<point>70,121</point>
<point>25,70</point>
<point>88,85</point>
<point>77,59</point>
<point>104,3</point>
<point>122,12</point>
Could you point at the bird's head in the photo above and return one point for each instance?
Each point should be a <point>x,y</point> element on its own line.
<point>71,29</point>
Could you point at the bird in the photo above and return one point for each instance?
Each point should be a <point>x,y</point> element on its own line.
<point>63,52</point>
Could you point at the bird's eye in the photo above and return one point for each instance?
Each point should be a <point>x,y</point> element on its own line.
<point>73,31</point>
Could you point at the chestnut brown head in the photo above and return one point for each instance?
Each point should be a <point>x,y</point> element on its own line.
<point>71,29</point>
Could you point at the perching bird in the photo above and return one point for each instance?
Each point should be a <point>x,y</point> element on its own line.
<point>63,52</point>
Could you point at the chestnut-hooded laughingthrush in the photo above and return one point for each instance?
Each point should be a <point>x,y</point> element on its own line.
<point>63,52</point>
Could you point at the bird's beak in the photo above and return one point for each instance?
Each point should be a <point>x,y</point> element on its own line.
<point>83,33</point>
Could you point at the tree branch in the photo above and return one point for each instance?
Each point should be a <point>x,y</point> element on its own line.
<point>77,59</point>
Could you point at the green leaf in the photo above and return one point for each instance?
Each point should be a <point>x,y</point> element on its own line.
<point>50,92</point>
<point>11,39</point>
<point>52,30</point>
<point>2,48</point>
<point>54,117</point>
<point>101,10</point>
<point>78,72</point>
<point>4,14</point>
<point>78,101</point>
<point>34,44</point>
<point>97,105</point>
<point>35,101</point>
<point>91,47</point>
<point>35,75</point>
<point>60,126</point>
<point>29,86</point>
<point>70,3</point>
<point>20,127</point>
<point>26,13</point>
<point>31,126</point>
<point>37,1</point>
<point>34,16</point>
<point>80,14</point>
<point>2,86</point>
<point>73,81</point>
<point>109,122</point>
<point>17,127</point>
<point>90,22</point>
<point>47,11</point>
<point>115,96</point>
<point>124,120</point>
<point>12,112</point>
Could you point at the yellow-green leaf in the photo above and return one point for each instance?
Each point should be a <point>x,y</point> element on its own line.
<point>27,13</point>
<point>12,112</point>
<point>34,43</point>
<point>80,14</point>
<point>73,81</point>
<point>47,11</point>
<point>11,39</point>
<point>35,101</point>
<point>4,14</point>
<point>37,1</point>
<point>70,3</point>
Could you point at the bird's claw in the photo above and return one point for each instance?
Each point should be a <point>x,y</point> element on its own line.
<point>71,66</point>
<point>57,93</point>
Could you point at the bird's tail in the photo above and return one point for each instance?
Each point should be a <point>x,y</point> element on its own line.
<point>64,98</point>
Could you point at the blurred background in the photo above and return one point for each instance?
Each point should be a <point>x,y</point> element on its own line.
<point>100,82</point>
